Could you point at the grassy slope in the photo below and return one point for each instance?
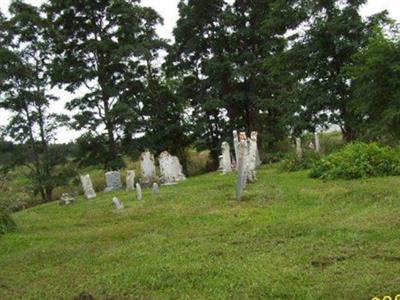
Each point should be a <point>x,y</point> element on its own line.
<point>291,237</point>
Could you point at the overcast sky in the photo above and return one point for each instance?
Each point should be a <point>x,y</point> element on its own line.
<point>169,11</point>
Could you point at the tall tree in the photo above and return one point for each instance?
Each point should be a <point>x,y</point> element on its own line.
<point>24,90</point>
<point>105,46</point>
<point>334,33</point>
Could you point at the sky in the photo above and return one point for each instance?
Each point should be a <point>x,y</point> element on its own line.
<point>169,11</point>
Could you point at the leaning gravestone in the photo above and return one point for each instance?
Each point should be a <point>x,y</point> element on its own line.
<point>156,188</point>
<point>299,149</point>
<point>242,165</point>
<point>147,167</point>
<point>317,143</point>
<point>236,147</point>
<point>252,159</point>
<point>113,181</point>
<point>117,203</point>
<point>139,191</point>
<point>170,168</point>
<point>87,187</point>
<point>130,181</point>
<point>66,199</point>
<point>225,162</point>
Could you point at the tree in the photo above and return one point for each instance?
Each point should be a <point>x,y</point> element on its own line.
<point>335,32</point>
<point>105,46</point>
<point>24,87</point>
<point>375,79</point>
<point>228,55</point>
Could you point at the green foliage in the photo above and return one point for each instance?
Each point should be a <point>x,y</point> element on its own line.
<point>7,224</point>
<point>292,163</point>
<point>358,160</point>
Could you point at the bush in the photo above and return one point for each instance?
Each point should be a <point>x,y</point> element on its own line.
<point>6,222</point>
<point>358,160</point>
<point>292,163</point>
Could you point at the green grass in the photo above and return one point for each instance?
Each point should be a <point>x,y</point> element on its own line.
<point>290,238</point>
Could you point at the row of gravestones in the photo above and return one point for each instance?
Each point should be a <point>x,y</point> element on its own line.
<point>247,159</point>
<point>170,170</point>
<point>316,145</point>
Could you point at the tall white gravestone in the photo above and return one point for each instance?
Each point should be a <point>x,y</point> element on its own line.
<point>147,167</point>
<point>113,181</point>
<point>252,159</point>
<point>299,149</point>
<point>88,186</point>
<point>170,168</point>
<point>130,180</point>
<point>317,143</point>
<point>225,163</point>
<point>242,165</point>
<point>236,147</point>
<point>139,191</point>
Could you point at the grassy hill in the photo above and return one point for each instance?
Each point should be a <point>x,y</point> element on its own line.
<point>290,238</point>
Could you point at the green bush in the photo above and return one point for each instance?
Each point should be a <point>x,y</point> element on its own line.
<point>292,163</point>
<point>358,160</point>
<point>6,222</point>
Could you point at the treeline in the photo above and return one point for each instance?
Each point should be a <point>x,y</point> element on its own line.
<point>278,67</point>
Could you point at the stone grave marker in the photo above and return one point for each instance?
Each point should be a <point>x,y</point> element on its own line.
<point>113,181</point>
<point>170,169</point>
<point>130,180</point>
<point>88,186</point>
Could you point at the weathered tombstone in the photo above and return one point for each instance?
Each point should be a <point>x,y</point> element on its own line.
<point>226,164</point>
<point>299,149</point>
<point>139,191</point>
<point>130,181</point>
<point>87,187</point>
<point>252,159</point>
<point>113,181</point>
<point>170,169</point>
<point>66,199</point>
<point>258,160</point>
<point>242,165</point>
<point>236,147</point>
<point>156,188</point>
<point>117,203</point>
<point>317,143</point>
<point>147,167</point>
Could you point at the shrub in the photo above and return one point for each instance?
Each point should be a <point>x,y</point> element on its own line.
<point>6,222</point>
<point>292,163</point>
<point>358,160</point>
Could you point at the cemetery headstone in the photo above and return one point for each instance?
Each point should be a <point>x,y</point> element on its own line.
<point>66,199</point>
<point>170,168</point>
<point>139,194</point>
<point>317,143</point>
<point>113,181</point>
<point>242,165</point>
<point>117,203</point>
<point>130,180</point>
<point>226,164</point>
<point>252,159</point>
<point>156,188</point>
<point>236,147</point>
<point>88,187</point>
<point>147,167</point>
<point>299,149</point>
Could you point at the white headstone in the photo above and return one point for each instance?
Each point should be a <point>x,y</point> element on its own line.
<point>236,146</point>
<point>170,168</point>
<point>117,203</point>
<point>147,167</point>
<point>66,199</point>
<point>87,187</point>
<point>299,149</point>
<point>317,143</point>
<point>130,180</point>
<point>242,165</point>
<point>252,160</point>
<point>156,188</point>
<point>139,191</point>
<point>113,181</point>
<point>226,164</point>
